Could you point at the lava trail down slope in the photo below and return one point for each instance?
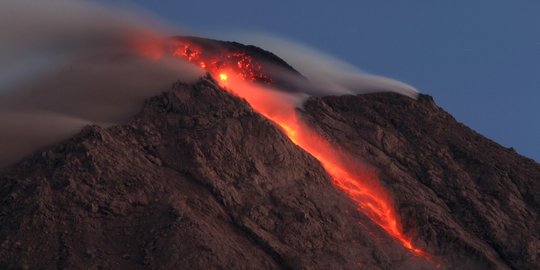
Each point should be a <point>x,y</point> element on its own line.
<point>199,180</point>
<point>234,68</point>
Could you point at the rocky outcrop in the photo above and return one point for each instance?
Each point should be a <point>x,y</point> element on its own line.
<point>472,201</point>
<point>196,181</point>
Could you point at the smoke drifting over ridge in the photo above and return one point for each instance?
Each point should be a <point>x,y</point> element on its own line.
<point>97,65</point>
<point>65,64</point>
<point>326,75</point>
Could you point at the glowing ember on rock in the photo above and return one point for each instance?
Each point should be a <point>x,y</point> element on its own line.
<point>215,61</point>
<point>361,187</point>
<point>223,76</point>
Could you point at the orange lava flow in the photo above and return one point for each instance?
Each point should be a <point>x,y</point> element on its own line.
<point>359,184</point>
<point>237,63</point>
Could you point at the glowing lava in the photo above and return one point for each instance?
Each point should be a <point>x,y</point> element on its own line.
<point>361,185</point>
<point>216,60</point>
<point>223,76</point>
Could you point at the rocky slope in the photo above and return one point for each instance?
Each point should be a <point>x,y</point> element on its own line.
<point>198,180</point>
<point>462,194</point>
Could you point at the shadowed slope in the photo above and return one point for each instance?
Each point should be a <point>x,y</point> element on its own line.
<point>197,180</point>
<point>464,195</point>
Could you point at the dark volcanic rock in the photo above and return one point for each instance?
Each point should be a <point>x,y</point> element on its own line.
<point>475,203</point>
<point>218,47</point>
<point>196,181</point>
<point>277,72</point>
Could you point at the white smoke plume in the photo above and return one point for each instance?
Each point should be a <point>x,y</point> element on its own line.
<point>68,63</point>
<point>325,75</point>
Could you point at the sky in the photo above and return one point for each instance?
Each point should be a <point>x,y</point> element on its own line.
<point>480,60</point>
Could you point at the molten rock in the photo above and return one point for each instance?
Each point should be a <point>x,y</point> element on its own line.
<point>198,180</point>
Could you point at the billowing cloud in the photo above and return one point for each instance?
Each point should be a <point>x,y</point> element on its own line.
<point>65,64</point>
<point>325,75</point>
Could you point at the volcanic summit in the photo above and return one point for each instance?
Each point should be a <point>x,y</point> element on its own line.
<point>224,173</point>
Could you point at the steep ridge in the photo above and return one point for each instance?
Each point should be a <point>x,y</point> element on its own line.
<point>196,181</point>
<point>464,195</point>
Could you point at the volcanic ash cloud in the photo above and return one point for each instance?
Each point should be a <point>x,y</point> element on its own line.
<point>326,75</point>
<point>65,64</point>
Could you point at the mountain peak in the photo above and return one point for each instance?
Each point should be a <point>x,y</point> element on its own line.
<point>198,179</point>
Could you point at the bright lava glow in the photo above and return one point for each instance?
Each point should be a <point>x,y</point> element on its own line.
<point>361,186</point>
<point>223,76</point>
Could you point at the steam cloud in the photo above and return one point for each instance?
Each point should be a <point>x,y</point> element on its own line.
<point>65,64</point>
<point>68,63</point>
<point>326,75</point>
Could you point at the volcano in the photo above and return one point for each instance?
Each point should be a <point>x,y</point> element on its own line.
<point>209,175</point>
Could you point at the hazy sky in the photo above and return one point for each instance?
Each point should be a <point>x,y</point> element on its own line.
<point>479,59</point>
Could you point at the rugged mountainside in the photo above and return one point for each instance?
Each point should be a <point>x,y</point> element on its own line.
<point>198,180</point>
<point>456,190</point>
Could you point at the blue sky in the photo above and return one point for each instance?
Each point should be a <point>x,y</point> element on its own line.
<point>479,59</point>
